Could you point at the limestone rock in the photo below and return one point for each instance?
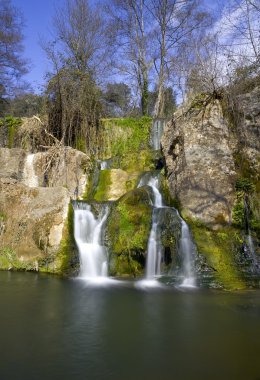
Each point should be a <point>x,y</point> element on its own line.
<point>200,164</point>
<point>12,163</point>
<point>33,221</point>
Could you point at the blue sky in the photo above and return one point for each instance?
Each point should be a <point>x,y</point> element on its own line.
<point>38,18</point>
<point>37,15</point>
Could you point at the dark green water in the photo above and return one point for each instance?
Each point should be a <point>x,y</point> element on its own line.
<point>64,329</point>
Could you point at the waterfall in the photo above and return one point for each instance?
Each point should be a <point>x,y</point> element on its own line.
<point>187,250</point>
<point>157,131</point>
<point>30,179</point>
<point>104,165</point>
<point>249,237</point>
<point>154,249</point>
<point>88,232</point>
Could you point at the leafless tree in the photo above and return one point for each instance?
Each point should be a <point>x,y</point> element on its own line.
<point>130,31</point>
<point>12,65</point>
<point>175,21</point>
<point>77,55</point>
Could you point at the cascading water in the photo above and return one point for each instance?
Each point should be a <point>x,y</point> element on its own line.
<point>157,131</point>
<point>250,242</point>
<point>88,232</point>
<point>154,250</point>
<point>30,179</point>
<point>187,250</point>
<point>104,165</point>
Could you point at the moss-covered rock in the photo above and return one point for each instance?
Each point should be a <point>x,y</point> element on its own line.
<point>128,231</point>
<point>113,184</point>
<point>119,137</point>
<point>220,248</point>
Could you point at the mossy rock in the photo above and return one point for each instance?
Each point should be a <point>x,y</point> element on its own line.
<point>220,249</point>
<point>169,228</point>
<point>119,137</point>
<point>66,261</point>
<point>114,183</point>
<point>128,229</point>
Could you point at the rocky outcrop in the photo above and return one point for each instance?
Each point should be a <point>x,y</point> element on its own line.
<point>248,128</point>
<point>200,164</point>
<point>68,168</point>
<point>32,225</point>
<point>212,165</point>
<point>35,193</point>
<point>12,163</point>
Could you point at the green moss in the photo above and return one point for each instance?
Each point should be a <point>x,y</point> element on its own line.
<point>81,144</point>
<point>10,261</point>
<point>173,202</point>
<point>238,214</point>
<point>138,161</point>
<point>104,183</point>
<point>120,137</point>
<point>66,261</point>
<point>128,231</point>
<point>12,123</point>
<point>199,101</point>
<point>219,248</point>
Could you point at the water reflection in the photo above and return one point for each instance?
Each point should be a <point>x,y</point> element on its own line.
<point>69,329</point>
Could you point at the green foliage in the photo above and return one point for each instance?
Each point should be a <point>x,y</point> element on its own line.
<point>12,123</point>
<point>245,185</point>
<point>238,214</point>
<point>81,144</point>
<point>125,136</point>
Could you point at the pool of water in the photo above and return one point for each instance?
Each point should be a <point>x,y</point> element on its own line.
<point>70,329</point>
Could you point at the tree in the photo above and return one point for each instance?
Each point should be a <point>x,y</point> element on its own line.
<point>117,99</point>
<point>25,105</point>
<point>77,56</point>
<point>175,21</point>
<point>12,65</point>
<point>130,30</point>
<point>169,104</point>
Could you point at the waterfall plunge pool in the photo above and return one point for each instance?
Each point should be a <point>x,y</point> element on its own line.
<point>53,328</point>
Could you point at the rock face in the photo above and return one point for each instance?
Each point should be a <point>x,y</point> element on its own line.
<point>33,217</point>
<point>248,130</point>
<point>12,163</point>
<point>32,224</point>
<point>200,164</point>
<point>69,169</point>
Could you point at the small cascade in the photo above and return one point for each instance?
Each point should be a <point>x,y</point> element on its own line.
<point>88,232</point>
<point>157,131</point>
<point>154,250</point>
<point>30,179</point>
<point>249,239</point>
<point>187,250</point>
<point>104,165</point>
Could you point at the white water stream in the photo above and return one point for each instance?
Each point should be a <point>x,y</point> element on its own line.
<point>30,179</point>
<point>187,252</point>
<point>157,131</point>
<point>154,250</point>
<point>88,235</point>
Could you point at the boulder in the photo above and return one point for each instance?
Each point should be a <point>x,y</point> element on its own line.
<point>32,225</point>
<point>200,164</point>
